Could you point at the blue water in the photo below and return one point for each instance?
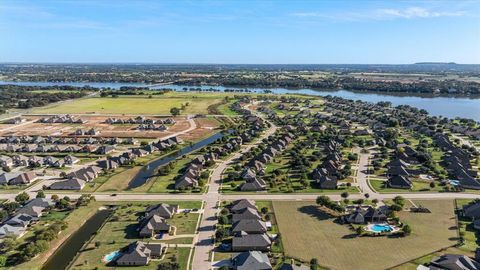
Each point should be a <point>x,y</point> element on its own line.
<point>451,107</point>
<point>381,228</point>
<point>148,171</point>
<point>112,256</point>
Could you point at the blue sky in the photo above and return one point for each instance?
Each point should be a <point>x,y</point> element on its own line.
<point>274,32</point>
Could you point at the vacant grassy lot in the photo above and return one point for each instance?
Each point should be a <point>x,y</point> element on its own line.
<point>158,104</point>
<point>308,233</point>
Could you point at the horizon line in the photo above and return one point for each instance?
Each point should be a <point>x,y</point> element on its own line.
<point>252,64</point>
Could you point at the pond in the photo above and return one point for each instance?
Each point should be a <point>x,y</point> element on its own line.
<point>149,170</point>
<point>448,106</point>
<point>65,254</point>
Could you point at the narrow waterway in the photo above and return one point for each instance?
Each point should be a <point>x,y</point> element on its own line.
<point>69,249</point>
<point>149,170</point>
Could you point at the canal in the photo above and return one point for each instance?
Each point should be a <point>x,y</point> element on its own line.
<point>66,253</point>
<point>149,170</point>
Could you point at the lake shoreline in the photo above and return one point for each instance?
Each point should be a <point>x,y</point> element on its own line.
<point>451,106</point>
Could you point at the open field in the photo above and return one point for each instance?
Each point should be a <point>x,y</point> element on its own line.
<point>158,104</point>
<point>309,233</point>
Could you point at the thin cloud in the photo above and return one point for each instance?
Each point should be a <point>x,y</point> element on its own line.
<point>381,14</point>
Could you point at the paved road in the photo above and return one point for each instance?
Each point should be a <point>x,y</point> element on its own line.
<point>362,174</point>
<point>204,243</point>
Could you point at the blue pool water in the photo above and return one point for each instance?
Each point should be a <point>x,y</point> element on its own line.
<point>112,256</point>
<point>381,228</point>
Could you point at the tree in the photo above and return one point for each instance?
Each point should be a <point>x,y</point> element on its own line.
<point>322,200</point>
<point>223,220</point>
<point>22,197</point>
<point>359,230</point>
<point>406,229</point>
<point>264,210</point>
<point>54,197</point>
<point>63,204</point>
<point>3,261</point>
<point>396,207</point>
<point>313,264</point>
<point>9,243</point>
<point>399,200</point>
<point>345,195</point>
<point>367,195</point>
<point>98,244</point>
<point>10,207</point>
<point>175,111</point>
<point>40,194</point>
<point>375,201</point>
<point>220,234</point>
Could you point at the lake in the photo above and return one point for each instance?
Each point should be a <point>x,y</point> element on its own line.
<point>436,105</point>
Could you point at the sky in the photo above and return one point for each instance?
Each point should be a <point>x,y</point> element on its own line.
<point>240,32</point>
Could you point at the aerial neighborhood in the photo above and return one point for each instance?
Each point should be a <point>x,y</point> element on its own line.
<point>200,177</point>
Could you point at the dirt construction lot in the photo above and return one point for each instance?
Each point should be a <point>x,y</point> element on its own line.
<point>97,122</point>
<point>308,233</point>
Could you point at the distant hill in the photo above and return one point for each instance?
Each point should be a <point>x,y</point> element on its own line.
<point>435,63</point>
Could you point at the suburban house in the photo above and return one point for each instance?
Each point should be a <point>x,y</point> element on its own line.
<point>251,260</point>
<point>245,242</point>
<point>151,225</point>
<point>162,210</point>
<point>399,181</point>
<point>35,207</point>
<point>239,205</point>
<point>139,253</point>
<point>472,210</point>
<point>24,178</point>
<point>69,184</point>
<point>363,215</point>
<point>452,262</point>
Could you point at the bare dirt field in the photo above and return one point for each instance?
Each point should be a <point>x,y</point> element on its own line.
<point>205,128</point>
<point>309,233</point>
<point>97,122</point>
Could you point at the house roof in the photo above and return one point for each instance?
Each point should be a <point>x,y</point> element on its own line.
<point>249,225</point>
<point>69,184</point>
<point>455,262</point>
<point>239,205</point>
<point>251,260</point>
<point>399,181</point>
<point>244,240</point>
<point>246,213</point>
<point>472,210</point>
<point>163,210</point>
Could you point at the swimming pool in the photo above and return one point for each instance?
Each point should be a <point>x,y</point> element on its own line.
<point>381,228</point>
<point>111,256</point>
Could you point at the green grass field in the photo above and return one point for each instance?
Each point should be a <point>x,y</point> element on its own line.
<point>158,104</point>
<point>308,233</point>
